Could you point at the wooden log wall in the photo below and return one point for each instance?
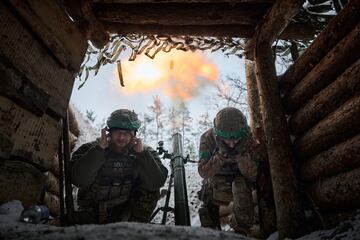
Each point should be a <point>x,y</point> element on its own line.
<point>321,94</point>
<point>41,51</point>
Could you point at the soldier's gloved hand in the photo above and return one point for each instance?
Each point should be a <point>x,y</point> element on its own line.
<point>104,141</point>
<point>218,159</point>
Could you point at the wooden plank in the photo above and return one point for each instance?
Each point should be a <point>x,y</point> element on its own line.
<point>340,158</point>
<point>32,138</point>
<point>339,192</point>
<point>34,62</point>
<point>54,27</point>
<point>20,181</point>
<point>328,100</point>
<point>335,128</point>
<point>16,86</point>
<point>334,31</point>
<point>343,55</point>
<point>293,31</point>
<point>182,14</point>
<point>265,195</point>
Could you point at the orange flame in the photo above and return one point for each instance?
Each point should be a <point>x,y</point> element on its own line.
<point>178,74</point>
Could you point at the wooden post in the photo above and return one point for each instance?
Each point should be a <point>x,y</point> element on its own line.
<point>288,204</point>
<point>289,210</point>
<point>265,195</point>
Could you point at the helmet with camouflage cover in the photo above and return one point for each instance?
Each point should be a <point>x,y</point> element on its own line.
<point>123,119</point>
<point>230,123</point>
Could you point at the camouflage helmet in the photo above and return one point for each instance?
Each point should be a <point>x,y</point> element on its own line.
<point>123,119</point>
<point>230,123</point>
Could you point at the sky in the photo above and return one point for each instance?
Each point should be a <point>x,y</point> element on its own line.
<point>174,76</point>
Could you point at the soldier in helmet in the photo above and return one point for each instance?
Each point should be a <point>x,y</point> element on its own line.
<point>228,167</point>
<point>118,176</point>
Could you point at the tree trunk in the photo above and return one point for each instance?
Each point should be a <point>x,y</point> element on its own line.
<point>338,192</point>
<point>335,30</point>
<point>342,157</point>
<point>328,100</point>
<point>265,195</point>
<point>345,53</point>
<point>336,127</point>
<point>289,210</point>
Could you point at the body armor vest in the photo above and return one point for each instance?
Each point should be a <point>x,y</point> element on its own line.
<point>115,180</point>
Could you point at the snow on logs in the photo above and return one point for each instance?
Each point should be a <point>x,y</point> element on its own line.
<point>336,29</point>
<point>345,53</point>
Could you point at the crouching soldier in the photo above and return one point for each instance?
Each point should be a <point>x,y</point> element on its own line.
<point>118,176</point>
<point>229,170</point>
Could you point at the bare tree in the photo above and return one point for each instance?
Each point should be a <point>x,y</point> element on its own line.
<point>157,110</point>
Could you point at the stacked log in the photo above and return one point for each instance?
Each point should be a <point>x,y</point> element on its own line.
<point>322,99</point>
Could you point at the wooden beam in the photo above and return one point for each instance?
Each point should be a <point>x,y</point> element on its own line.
<point>265,195</point>
<point>340,158</point>
<point>82,13</point>
<point>182,14</point>
<point>345,53</point>
<point>328,100</point>
<point>337,192</point>
<point>274,23</point>
<point>293,31</point>
<point>182,1</point>
<point>334,31</point>
<point>289,211</point>
<point>335,128</point>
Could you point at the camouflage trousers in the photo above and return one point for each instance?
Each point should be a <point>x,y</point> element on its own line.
<point>137,209</point>
<point>218,192</point>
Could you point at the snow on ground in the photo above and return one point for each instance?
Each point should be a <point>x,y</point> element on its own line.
<point>193,182</point>
<point>11,228</point>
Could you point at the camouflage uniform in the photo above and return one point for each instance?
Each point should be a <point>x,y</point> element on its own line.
<point>231,178</point>
<point>116,187</point>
